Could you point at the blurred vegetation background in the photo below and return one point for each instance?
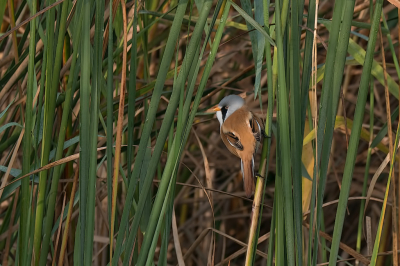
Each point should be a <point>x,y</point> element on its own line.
<point>110,153</point>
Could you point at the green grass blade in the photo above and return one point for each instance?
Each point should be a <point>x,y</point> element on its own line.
<point>183,75</point>
<point>361,25</point>
<point>390,41</point>
<point>367,164</point>
<point>132,92</point>
<point>284,140</point>
<point>27,144</point>
<point>3,5</point>
<point>259,17</point>
<point>252,22</point>
<point>162,259</point>
<point>307,62</point>
<point>341,52</point>
<point>48,120</point>
<point>264,165</point>
<point>377,71</point>
<point>295,127</point>
<point>325,107</point>
<point>355,135</point>
<point>150,118</point>
<point>97,84</point>
<point>272,235</point>
<point>382,217</point>
<point>254,38</point>
<point>165,204</point>
<point>279,215</point>
<point>84,133</point>
<point>56,174</point>
<point>144,221</point>
<point>110,137</point>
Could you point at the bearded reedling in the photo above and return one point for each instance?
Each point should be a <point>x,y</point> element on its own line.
<point>242,132</point>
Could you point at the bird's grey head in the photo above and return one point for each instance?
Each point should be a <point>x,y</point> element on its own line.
<point>228,106</point>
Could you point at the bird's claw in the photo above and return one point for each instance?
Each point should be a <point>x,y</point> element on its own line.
<point>265,134</point>
<point>258,175</point>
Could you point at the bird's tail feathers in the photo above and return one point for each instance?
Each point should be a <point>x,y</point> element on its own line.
<point>248,176</point>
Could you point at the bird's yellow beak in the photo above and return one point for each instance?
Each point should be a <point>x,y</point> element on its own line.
<point>216,109</point>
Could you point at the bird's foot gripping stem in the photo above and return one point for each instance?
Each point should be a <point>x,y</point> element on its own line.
<point>260,176</point>
<point>265,134</point>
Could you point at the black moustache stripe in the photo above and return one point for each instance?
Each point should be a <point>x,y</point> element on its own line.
<point>224,110</point>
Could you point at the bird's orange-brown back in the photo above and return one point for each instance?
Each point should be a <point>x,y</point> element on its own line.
<point>238,124</point>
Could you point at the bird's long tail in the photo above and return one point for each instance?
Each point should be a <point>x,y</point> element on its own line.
<point>248,176</point>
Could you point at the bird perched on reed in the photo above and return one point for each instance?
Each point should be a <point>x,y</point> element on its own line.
<point>242,132</point>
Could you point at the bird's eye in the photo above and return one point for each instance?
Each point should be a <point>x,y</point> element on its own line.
<point>226,107</point>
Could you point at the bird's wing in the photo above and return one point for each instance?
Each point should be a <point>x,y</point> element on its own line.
<point>232,142</point>
<point>257,127</point>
